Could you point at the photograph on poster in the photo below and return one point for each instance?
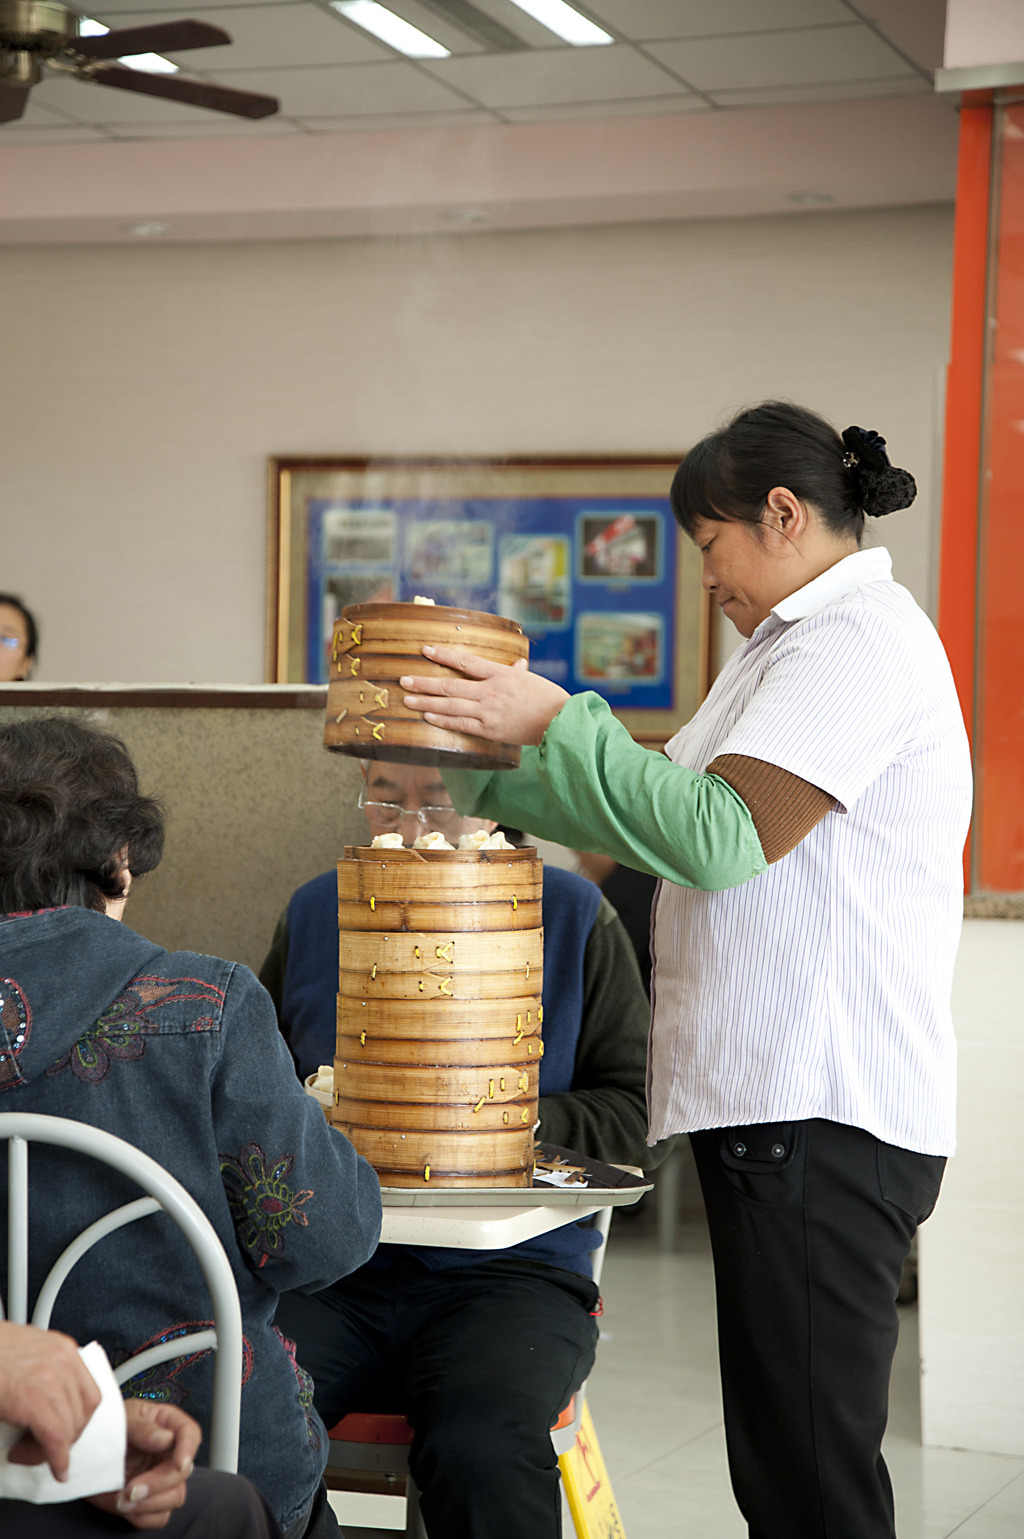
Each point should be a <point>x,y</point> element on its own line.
<point>624,546</point>
<point>358,537</point>
<point>449,550</point>
<point>619,649</point>
<point>534,580</point>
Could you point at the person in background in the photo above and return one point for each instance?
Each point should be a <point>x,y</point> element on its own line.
<point>480,1350</point>
<point>178,1054</point>
<point>46,1390</point>
<point>19,639</point>
<point>631,895</point>
<point>808,826</point>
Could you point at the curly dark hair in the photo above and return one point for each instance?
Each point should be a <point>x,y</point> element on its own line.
<point>69,809</point>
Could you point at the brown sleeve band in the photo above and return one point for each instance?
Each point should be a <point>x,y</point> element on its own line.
<point>784,808</point>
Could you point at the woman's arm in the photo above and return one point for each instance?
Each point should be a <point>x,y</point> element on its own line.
<point>588,785</point>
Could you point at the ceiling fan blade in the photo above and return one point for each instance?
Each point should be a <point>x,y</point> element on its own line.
<point>195,93</point>
<point>162,37</point>
<point>13,101</point>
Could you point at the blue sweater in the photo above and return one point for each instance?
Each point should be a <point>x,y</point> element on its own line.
<point>308,1007</point>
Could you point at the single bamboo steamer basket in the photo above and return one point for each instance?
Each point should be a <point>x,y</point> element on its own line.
<point>507,1020</point>
<point>450,1085</point>
<point>373,646</point>
<point>419,1159</point>
<point>440,1052</point>
<point>355,914</point>
<point>492,1117</point>
<point>438,1048</point>
<point>371,877</point>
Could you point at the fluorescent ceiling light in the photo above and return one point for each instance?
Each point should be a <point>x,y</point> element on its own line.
<point>149,63</point>
<point>564,22</point>
<point>390,28</point>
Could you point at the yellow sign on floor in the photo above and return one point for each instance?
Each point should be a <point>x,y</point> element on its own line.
<point>588,1488</point>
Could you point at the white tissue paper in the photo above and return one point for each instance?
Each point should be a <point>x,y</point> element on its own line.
<point>97,1459</point>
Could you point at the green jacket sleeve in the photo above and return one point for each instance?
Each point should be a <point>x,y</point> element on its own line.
<point>604,1115</point>
<point>589,786</point>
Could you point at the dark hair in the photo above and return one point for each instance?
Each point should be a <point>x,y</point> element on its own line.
<point>31,628</point>
<point>729,474</point>
<point>69,804</point>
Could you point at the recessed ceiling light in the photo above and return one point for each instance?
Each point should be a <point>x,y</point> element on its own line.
<point>148,229</point>
<point>391,29</point>
<point>148,63</point>
<point>811,197</point>
<point>466,216</point>
<point>565,22</point>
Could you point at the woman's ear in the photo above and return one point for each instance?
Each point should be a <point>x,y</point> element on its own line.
<point>785,513</point>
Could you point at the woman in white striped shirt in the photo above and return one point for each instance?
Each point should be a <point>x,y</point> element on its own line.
<point>808,826</point>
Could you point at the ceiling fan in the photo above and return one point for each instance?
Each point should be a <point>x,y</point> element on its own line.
<point>37,33</point>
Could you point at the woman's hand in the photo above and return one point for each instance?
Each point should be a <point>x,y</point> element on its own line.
<point>47,1389</point>
<point>162,1443</point>
<point>492,700</point>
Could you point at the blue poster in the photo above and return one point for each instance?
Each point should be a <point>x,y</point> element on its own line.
<point>590,579</point>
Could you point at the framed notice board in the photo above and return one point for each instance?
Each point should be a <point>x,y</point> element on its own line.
<point>585,554</point>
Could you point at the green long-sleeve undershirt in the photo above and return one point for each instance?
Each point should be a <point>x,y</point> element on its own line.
<point>589,786</point>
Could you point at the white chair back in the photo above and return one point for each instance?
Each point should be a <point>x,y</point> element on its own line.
<point>19,1129</point>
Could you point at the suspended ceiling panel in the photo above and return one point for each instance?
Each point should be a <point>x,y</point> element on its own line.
<point>740,106</point>
<point>327,72</point>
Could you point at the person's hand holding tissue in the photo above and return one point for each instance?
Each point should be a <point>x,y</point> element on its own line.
<point>47,1389</point>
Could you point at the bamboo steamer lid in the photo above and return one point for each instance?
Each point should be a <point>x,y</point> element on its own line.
<point>438,1049</point>
<point>373,646</point>
<point>498,1158</point>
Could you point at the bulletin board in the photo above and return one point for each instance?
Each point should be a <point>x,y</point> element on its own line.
<point>585,554</point>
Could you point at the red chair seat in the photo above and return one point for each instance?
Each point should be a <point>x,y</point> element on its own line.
<point>371,1427</point>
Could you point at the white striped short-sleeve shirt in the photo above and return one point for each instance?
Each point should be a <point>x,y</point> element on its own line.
<point>822,988</point>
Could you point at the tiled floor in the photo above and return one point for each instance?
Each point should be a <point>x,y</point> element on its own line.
<point>655,1403</point>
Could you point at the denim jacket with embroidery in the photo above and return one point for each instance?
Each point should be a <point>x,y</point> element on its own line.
<point>180,1055</point>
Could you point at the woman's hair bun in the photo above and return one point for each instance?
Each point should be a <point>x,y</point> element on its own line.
<point>879,487</point>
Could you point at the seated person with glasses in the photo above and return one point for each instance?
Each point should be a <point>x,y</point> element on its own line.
<point>481,1350</point>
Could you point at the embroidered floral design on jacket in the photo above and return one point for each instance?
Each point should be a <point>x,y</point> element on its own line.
<point>128,1019</point>
<point>305,1390</point>
<point>261,1201</point>
<point>15,1030</point>
<point>161,1382</point>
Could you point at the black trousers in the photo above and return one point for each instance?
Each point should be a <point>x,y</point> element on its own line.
<point>480,1359</point>
<point>810,1225</point>
<point>218,1506</point>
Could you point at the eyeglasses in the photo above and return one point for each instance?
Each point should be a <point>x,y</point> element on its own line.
<point>388,815</point>
<point>14,642</point>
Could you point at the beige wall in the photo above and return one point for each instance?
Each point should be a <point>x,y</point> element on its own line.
<point>255,807</point>
<point>144,388</point>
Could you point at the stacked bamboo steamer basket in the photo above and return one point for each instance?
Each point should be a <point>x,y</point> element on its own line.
<point>373,645</point>
<point>440,1014</point>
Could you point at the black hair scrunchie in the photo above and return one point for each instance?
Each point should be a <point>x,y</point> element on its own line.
<point>880,487</point>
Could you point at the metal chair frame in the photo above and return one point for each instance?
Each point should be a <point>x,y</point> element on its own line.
<point>165,1194</point>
